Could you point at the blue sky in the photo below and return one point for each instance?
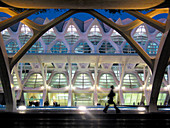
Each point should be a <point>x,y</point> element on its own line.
<point>51,14</point>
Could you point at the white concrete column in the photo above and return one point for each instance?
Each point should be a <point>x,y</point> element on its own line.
<point>95,83</point>
<point>121,83</point>
<point>70,83</point>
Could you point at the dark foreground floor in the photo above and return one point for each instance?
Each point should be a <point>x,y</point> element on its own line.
<point>84,119</point>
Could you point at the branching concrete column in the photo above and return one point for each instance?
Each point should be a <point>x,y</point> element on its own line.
<point>70,96</point>
<point>95,82</point>
<point>160,65</point>
<point>121,83</point>
<point>6,78</point>
<point>45,90</point>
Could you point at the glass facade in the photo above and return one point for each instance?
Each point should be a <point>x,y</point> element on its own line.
<point>83,81</point>
<point>88,40</point>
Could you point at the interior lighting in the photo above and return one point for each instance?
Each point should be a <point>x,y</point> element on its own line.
<point>67,87</point>
<point>98,88</point>
<point>22,108</point>
<point>49,87</point>
<point>73,88</point>
<point>17,87</point>
<point>141,108</point>
<point>82,108</point>
<point>42,87</point>
<point>92,87</point>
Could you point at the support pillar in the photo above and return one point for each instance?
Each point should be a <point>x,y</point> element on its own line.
<point>95,83</point>
<point>5,76</point>
<point>70,96</point>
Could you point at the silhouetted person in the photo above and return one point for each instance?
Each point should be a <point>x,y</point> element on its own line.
<point>110,101</point>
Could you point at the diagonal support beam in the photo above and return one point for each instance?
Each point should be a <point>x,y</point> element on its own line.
<point>160,65</point>
<point>11,21</point>
<point>152,22</point>
<point>37,35</point>
<point>125,34</point>
<point>6,78</point>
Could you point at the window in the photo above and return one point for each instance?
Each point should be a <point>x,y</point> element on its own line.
<point>161,98</point>
<point>5,35</point>
<point>25,34</point>
<point>60,98</point>
<point>158,37</point>
<point>59,47</point>
<point>34,81</point>
<point>49,36</point>
<point>71,36</point>
<point>117,38</point>
<point>12,47</point>
<point>106,80</point>
<point>36,48</point>
<point>130,81</point>
<point>83,47</point>
<point>83,81</point>
<point>103,98</point>
<point>140,35</point>
<point>128,49</point>
<point>152,48</point>
<point>94,36</point>
<point>106,47</point>
<point>82,99</point>
<point>116,68</point>
<point>59,81</point>
<point>132,98</point>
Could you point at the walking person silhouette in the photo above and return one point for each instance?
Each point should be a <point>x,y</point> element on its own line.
<point>110,101</point>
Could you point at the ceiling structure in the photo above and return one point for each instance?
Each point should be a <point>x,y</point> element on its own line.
<point>85,4</point>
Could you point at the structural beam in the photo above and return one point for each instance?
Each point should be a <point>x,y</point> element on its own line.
<point>84,4</point>
<point>6,78</point>
<point>126,35</point>
<point>160,65</point>
<point>37,35</point>
<point>152,22</point>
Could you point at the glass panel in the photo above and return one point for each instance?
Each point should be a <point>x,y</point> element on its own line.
<point>117,38</point>
<point>103,98</point>
<point>82,99</point>
<point>59,81</point>
<point>94,35</point>
<point>159,36</point>
<point>49,36</point>
<point>83,81</point>
<point>5,35</point>
<point>36,48</point>
<point>12,47</point>
<point>83,47</point>
<point>33,97</point>
<point>25,34</point>
<point>60,98</point>
<point>106,47</point>
<point>106,80</point>
<point>128,49</point>
<point>71,36</point>
<point>34,81</point>
<point>140,35</point>
<point>152,48</point>
<point>59,47</point>
<point>161,98</point>
<point>132,98</point>
<point>130,81</point>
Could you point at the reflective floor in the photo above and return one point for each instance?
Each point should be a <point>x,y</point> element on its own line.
<point>85,117</point>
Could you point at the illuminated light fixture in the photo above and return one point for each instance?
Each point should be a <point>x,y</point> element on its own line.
<point>67,87</point>
<point>92,87</point>
<point>141,108</point>
<point>140,88</point>
<point>17,87</point>
<point>98,88</point>
<point>49,87</point>
<point>22,108</point>
<point>123,88</point>
<point>82,108</point>
<point>73,88</point>
<point>42,87</point>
